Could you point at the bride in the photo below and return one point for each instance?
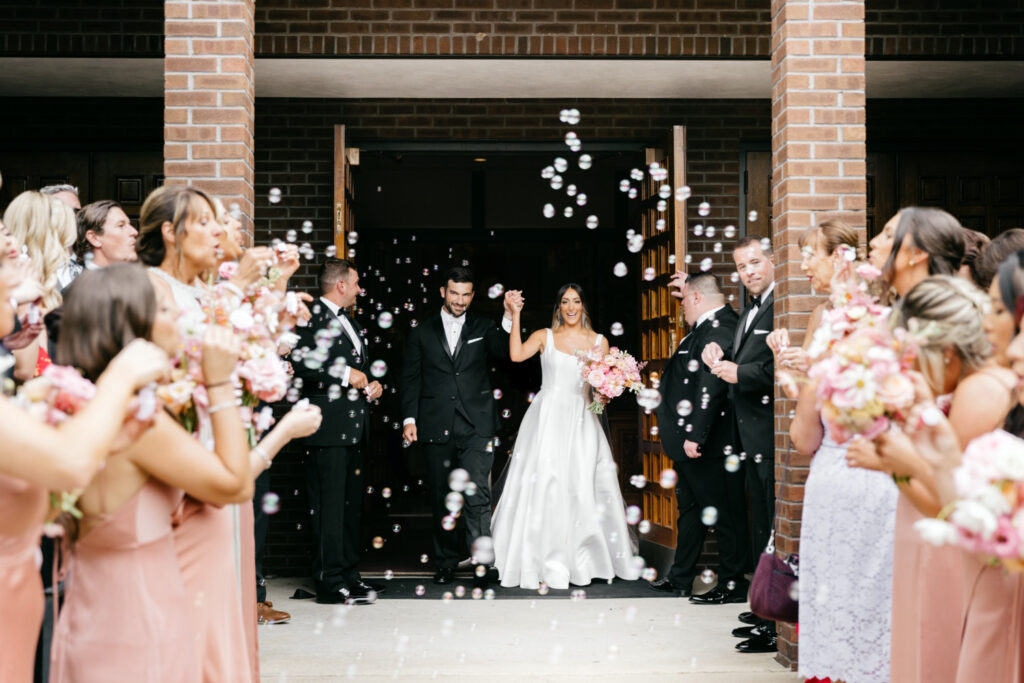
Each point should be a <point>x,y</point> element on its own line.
<point>560,518</point>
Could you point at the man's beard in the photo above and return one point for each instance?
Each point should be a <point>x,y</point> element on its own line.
<point>453,313</point>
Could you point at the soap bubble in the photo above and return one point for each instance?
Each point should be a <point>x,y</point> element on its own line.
<point>331,251</point>
<point>506,413</point>
<point>707,576</point>
<point>660,225</point>
<point>495,290</point>
<point>378,542</point>
<point>497,394</point>
<point>649,274</point>
<point>571,190</point>
<point>644,526</point>
<point>333,392</point>
<point>617,330</point>
<point>548,172</point>
<point>732,463</point>
<point>549,211</point>
<point>307,227</point>
<point>271,503</point>
<point>385,320</point>
<point>567,212</point>
<point>274,196</point>
<point>585,161</point>
<point>635,243</point>
<point>482,552</point>
<point>385,492</point>
<point>752,216</point>
<point>396,528</point>
<point>684,408</point>
<point>420,590</point>
<point>648,398</point>
<point>291,236</point>
<point>709,515</point>
<point>633,514</point>
<point>581,199</point>
<point>556,182</point>
<point>683,193</point>
<point>352,237</point>
<point>665,191</point>
<point>638,480</point>
<point>698,230</point>
<point>591,222</point>
<point>794,591</point>
<point>352,394</point>
<point>717,247</point>
<point>623,185</point>
<point>693,365</point>
<point>705,264</point>
<point>668,478</point>
<point>378,368</point>
<point>729,232</point>
<point>620,269</point>
<point>632,193</point>
<point>457,479</point>
<point>636,174</point>
<point>447,522</point>
<point>709,231</point>
<point>703,209</point>
<point>561,165</point>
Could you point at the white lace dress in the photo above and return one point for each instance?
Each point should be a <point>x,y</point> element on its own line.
<point>846,551</point>
<point>561,518</point>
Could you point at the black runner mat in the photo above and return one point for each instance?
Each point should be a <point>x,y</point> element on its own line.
<point>422,588</point>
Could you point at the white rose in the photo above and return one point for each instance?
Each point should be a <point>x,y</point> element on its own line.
<point>241,318</point>
<point>935,531</point>
<point>1010,463</point>
<point>992,498</point>
<point>975,518</point>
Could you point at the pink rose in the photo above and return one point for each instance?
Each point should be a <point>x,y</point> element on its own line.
<point>896,392</point>
<point>265,378</point>
<point>228,270</point>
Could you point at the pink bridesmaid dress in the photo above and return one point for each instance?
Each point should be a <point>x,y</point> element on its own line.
<point>125,616</point>
<point>204,538</point>
<point>927,605</point>
<point>22,509</point>
<point>993,632</point>
<point>249,615</point>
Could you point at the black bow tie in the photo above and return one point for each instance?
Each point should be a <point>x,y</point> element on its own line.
<point>755,301</point>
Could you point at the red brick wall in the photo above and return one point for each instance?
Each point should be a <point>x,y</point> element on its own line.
<point>725,28</point>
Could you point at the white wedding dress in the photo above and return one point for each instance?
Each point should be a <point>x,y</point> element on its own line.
<point>560,518</point>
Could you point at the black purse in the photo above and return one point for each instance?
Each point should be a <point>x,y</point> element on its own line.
<point>772,591</point>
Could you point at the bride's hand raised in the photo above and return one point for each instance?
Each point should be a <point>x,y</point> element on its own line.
<point>514,301</point>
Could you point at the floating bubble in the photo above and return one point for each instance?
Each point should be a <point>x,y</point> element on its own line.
<point>705,264</point>
<point>495,290</point>
<point>668,478</point>
<point>577,595</point>
<point>330,251</point>
<point>624,185</point>
<point>644,526</point>
<point>235,210</point>
<point>447,522</point>
<point>530,396</point>
<point>660,224</point>
<point>396,528</point>
<point>420,590</point>
<point>635,243</point>
<point>693,365</point>
<point>591,222</point>
<point>717,247</point>
<point>489,594</point>
<point>649,574</point>
<point>385,492</point>
<point>765,400</point>
<point>570,136</point>
<point>709,515</point>
<point>447,596</point>
<point>752,216</point>
<point>274,196</point>
<point>457,479</point>
<point>542,588</point>
<point>482,552</point>
<point>707,576</point>
<point>291,236</point>
<point>632,193</point>
<point>638,480</point>
<point>385,320</point>
<point>585,161</point>
<point>684,408</point>
<point>698,230</point>
<point>620,269</point>
<point>378,542</point>
<point>333,392</point>
<point>636,174</point>
<point>709,231</point>
<point>758,458</point>
<point>617,329</point>
<point>650,274</point>
<point>571,190</point>
<point>549,211</point>
<point>794,591</point>
<point>683,193</point>
<point>729,231</point>
<point>573,117</point>
<point>561,165</point>
<point>556,182</point>
<point>424,559</point>
<point>581,199</point>
<point>477,593</point>
<point>665,191</point>
<point>506,413</point>
<point>497,394</point>
<point>633,514</point>
<point>352,237</point>
<point>703,209</point>
<point>734,277</point>
<point>648,398</point>
<point>548,172</point>
<point>378,368</point>
<point>567,212</point>
<point>271,503</point>
<point>732,463</point>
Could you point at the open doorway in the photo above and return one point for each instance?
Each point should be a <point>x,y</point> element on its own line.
<point>418,211</point>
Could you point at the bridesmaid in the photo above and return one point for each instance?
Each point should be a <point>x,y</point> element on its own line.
<point>36,459</point>
<point>126,612</point>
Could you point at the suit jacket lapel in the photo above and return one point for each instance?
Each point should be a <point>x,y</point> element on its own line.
<point>441,336</point>
<point>738,339</point>
<point>741,335</point>
<point>462,337</point>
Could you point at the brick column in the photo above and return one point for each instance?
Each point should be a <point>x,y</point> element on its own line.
<point>209,99</point>
<point>818,172</point>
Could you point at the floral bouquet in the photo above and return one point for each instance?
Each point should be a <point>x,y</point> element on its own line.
<point>852,307</point>
<point>609,374</point>
<point>988,516</point>
<point>863,384</point>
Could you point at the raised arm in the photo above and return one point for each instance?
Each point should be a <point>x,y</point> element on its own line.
<point>300,421</point>
<point>517,350</point>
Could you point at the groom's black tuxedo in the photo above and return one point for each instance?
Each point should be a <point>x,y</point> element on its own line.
<point>334,453</point>
<point>703,482</point>
<point>449,397</point>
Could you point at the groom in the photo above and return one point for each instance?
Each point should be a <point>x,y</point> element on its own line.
<point>449,406</point>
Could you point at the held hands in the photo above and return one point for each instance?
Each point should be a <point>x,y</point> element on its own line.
<point>221,349</point>
<point>357,379</point>
<point>409,432</point>
<point>692,449</point>
<point>514,302</point>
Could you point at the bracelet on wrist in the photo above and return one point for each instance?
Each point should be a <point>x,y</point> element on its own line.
<point>218,384</point>
<point>267,462</point>
<point>222,406</point>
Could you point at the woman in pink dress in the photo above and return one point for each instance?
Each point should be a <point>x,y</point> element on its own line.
<point>127,614</point>
<point>36,459</point>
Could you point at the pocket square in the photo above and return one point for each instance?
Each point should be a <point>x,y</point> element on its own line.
<point>683,351</point>
<point>472,341</point>
<point>761,331</point>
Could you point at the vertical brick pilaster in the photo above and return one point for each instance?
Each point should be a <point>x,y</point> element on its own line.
<point>818,172</point>
<point>209,97</point>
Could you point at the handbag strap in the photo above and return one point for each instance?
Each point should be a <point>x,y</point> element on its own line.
<point>770,548</point>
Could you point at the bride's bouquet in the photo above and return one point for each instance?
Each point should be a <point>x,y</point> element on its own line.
<point>609,374</point>
<point>988,516</point>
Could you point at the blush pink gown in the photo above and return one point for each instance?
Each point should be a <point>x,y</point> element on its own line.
<point>22,509</point>
<point>993,625</point>
<point>125,615</point>
<point>204,537</point>
<point>927,604</point>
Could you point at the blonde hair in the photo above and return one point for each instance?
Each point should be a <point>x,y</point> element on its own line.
<point>829,235</point>
<point>46,227</point>
<point>948,311</point>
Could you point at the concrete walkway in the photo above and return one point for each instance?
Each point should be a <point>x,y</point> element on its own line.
<point>656,639</point>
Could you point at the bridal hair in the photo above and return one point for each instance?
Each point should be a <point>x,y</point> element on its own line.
<point>949,311</point>
<point>556,317</point>
<point>974,243</point>
<point>107,308</point>
<point>829,235</point>
<point>174,205</point>
<point>934,232</point>
<point>45,226</point>
<point>1002,246</point>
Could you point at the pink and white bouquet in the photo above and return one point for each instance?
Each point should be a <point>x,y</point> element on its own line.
<point>55,395</point>
<point>852,307</point>
<point>609,374</point>
<point>988,516</point>
<point>863,383</point>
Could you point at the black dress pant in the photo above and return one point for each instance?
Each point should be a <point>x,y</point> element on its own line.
<point>761,487</point>
<point>470,451</point>
<point>261,524</point>
<point>704,482</point>
<point>335,483</point>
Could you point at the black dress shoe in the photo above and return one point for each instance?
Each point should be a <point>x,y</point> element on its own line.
<point>666,586</point>
<point>747,631</point>
<point>375,587</point>
<point>750,618</point>
<point>765,642</point>
<point>443,576</point>
<point>717,596</point>
<point>489,576</point>
<point>346,595</point>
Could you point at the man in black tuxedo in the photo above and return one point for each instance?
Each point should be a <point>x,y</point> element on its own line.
<point>697,435</point>
<point>448,406</point>
<point>750,369</point>
<point>332,361</point>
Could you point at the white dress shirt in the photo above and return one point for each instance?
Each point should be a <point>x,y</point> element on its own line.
<point>752,313</point>
<point>349,331</point>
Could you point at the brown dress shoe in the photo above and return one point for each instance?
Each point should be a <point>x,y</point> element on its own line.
<point>266,614</point>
